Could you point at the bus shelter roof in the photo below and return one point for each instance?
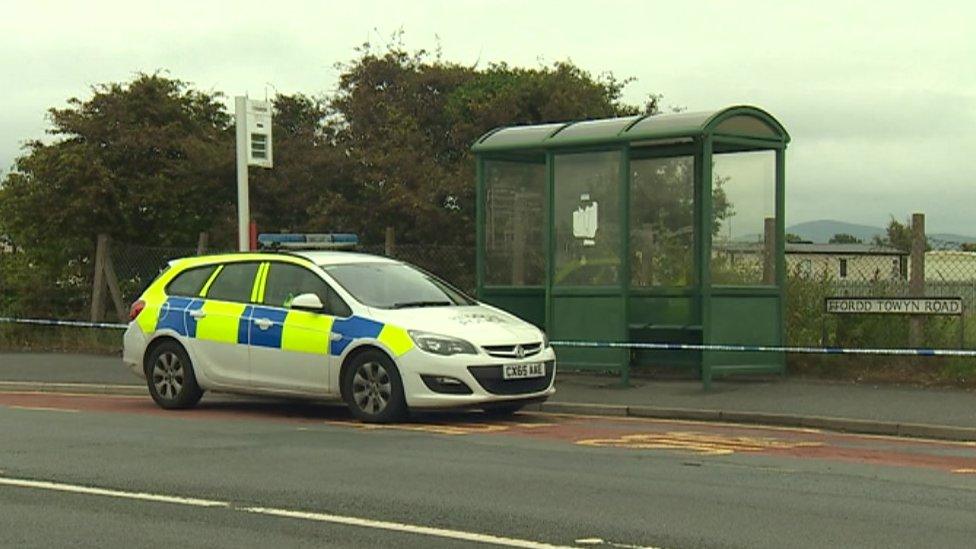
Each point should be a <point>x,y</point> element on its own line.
<point>740,121</point>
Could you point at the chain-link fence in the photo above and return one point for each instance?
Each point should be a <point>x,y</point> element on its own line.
<point>59,285</point>
<point>60,288</point>
<point>872,271</point>
<point>137,266</point>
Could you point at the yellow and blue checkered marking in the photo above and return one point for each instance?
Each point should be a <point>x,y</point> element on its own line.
<point>290,330</point>
<point>353,328</point>
<point>270,337</point>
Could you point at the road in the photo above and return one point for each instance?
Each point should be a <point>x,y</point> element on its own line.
<point>110,471</point>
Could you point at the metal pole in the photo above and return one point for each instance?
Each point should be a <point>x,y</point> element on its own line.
<point>243,201</point>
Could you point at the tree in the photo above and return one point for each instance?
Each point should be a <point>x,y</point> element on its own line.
<point>147,161</point>
<point>897,235</point>
<point>309,169</point>
<point>845,238</point>
<point>794,238</point>
<point>407,121</point>
<point>151,161</point>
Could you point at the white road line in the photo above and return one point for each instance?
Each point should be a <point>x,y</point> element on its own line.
<point>77,489</point>
<point>406,528</point>
<point>44,409</point>
<point>600,541</point>
<point>303,515</point>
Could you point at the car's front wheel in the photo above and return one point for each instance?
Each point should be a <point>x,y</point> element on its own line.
<point>169,374</point>
<point>372,388</point>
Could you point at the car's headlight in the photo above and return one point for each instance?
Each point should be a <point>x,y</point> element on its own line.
<point>441,344</point>
<point>545,341</point>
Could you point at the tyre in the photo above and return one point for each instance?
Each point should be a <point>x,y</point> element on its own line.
<point>502,410</point>
<point>169,374</point>
<point>372,388</point>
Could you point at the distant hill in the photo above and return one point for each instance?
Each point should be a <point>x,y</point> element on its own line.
<point>823,229</point>
<point>936,238</point>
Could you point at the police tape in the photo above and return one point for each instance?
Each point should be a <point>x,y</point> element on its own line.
<point>970,353</point>
<point>766,349</point>
<point>69,323</point>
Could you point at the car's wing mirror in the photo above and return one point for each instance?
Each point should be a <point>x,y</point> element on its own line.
<point>307,302</point>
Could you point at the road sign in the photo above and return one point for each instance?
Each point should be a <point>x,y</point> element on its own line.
<point>259,150</point>
<point>894,305</point>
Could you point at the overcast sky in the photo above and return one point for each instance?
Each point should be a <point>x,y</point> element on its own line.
<point>880,98</point>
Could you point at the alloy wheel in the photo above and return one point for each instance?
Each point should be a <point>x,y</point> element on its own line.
<point>371,387</point>
<point>168,375</point>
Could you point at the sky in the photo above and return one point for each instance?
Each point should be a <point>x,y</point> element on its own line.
<point>879,97</point>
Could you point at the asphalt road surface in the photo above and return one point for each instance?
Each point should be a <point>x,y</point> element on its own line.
<point>102,471</point>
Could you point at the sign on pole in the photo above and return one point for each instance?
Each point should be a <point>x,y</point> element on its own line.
<point>259,134</point>
<point>253,125</point>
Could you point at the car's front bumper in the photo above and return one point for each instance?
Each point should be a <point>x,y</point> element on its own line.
<point>480,374</point>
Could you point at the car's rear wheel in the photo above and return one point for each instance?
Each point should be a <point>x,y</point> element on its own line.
<point>169,374</point>
<point>503,410</point>
<point>372,388</point>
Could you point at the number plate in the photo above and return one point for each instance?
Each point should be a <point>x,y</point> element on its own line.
<point>523,371</point>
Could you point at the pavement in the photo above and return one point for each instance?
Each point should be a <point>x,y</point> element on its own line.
<point>865,408</point>
<point>117,471</point>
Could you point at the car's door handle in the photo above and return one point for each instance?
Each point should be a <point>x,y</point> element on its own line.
<point>263,323</point>
<point>198,313</point>
<point>335,337</point>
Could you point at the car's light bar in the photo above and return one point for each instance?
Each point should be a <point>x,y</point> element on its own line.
<point>318,241</point>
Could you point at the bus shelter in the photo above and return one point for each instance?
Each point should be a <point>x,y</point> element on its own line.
<point>656,229</point>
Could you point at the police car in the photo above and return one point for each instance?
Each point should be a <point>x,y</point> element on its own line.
<point>380,334</point>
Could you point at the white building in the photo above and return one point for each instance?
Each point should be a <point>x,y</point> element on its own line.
<point>950,266</point>
<point>839,261</point>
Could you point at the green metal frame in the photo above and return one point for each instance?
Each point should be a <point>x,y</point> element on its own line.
<point>713,308</point>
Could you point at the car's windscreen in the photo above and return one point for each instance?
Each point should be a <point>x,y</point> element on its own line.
<point>395,286</point>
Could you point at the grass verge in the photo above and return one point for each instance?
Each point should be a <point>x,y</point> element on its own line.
<point>26,338</point>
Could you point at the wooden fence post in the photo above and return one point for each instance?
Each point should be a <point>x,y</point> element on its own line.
<point>105,278</point>
<point>769,251</point>
<point>203,241</point>
<point>916,279</point>
<point>390,244</point>
<point>98,286</point>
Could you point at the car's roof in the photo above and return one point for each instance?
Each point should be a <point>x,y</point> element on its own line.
<point>336,257</point>
<point>322,258</point>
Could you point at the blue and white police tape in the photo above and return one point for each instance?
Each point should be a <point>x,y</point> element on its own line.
<point>766,349</point>
<point>69,323</point>
<point>971,353</point>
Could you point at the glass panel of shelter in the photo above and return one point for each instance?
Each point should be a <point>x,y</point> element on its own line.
<point>743,218</point>
<point>662,219</point>
<point>515,221</point>
<point>588,220</point>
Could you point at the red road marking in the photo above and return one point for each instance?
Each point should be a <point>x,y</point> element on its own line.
<point>798,443</point>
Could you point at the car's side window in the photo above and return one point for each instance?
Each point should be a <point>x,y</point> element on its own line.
<point>234,283</point>
<point>286,281</point>
<point>189,282</point>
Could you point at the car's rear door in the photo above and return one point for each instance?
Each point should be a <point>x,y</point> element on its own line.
<point>290,347</point>
<point>220,335</point>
